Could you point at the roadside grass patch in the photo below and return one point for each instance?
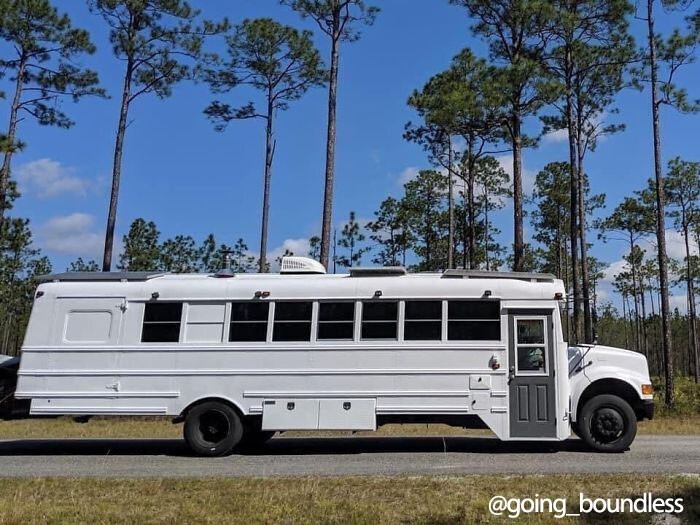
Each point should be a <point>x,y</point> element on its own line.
<point>376,499</point>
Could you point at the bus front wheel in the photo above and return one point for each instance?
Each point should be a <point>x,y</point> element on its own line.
<point>608,423</point>
<point>212,429</point>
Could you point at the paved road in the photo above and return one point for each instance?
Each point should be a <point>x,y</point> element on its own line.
<point>344,456</point>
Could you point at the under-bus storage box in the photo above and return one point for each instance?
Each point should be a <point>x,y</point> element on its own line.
<point>319,414</point>
<point>347,414</point>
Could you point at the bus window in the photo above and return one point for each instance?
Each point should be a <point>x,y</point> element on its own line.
<point>473,321</point>
<point>423,321</point>
<point>379,319</point>
<point>161,323</point>
<point>292,321</point>
<point>336,320</point>
<point>249,321</point>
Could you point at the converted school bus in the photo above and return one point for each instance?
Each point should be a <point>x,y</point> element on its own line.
<point>239,357</point>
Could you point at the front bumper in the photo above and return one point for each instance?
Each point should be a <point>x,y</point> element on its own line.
<point>645,409</point>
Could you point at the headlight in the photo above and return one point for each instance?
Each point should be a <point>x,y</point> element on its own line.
<point>647,390</point>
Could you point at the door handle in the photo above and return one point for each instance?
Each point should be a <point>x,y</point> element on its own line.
<point>511,374</point>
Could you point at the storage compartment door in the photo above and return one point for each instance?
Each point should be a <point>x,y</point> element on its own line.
<point>347,414</point>
<point>290,414</point>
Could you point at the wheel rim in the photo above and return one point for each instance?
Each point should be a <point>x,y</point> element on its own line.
<point>213,427</point>
<point>607,425</point>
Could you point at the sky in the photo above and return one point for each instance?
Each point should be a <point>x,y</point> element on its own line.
<point>189,179</point>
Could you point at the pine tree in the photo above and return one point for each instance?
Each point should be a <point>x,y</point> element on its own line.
<point>79,265</point>
<point>338,20</point>
<point>630,221</point>
<point>157,41</point>
<point>452,104</point>
<point>390,231</point>
<point>683,192</point>
<point>42,49</point>
<point>21,263</point>
<point>351,238</point>
<point>141,247</point>
<point>588,51</point>
<point>179,255</point>
<point>663,59</point>
<point>424,204</point>
<point>278,61</point>
<point>512,30</point>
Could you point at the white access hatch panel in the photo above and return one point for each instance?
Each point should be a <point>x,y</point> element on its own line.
<point>290,414</point>
<point>347,414</point>
<point>88,326</point>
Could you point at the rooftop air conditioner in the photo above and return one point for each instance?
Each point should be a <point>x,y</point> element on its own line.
<point>301,265</point>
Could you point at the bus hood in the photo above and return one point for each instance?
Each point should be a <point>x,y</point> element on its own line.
<point>599,361</point>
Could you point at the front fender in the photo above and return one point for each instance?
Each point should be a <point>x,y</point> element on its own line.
<point>623,371</point>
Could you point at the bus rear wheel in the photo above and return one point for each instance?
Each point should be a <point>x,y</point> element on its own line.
<point>608,423</point>
<point>212,429</point>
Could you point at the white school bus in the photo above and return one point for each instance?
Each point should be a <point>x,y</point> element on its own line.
<point>240,357</point>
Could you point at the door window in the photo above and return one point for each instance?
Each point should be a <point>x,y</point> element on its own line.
<point>531,346</point>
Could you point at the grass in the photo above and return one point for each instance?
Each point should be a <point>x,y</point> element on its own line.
<point>421,499</point>
<point>135,428</point>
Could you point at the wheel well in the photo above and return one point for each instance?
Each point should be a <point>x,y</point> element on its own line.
<point>225,401</point>
<point>615,387</point>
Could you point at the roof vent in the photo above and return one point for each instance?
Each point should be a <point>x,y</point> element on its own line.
<point>301,265</point>
<point>382,271</point>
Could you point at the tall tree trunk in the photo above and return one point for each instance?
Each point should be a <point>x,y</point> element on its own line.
<point>464,225</point>
<point>624,318</point>
<point>330,144</point>
<point>645,341</point>
<point>635,296</point>
<point>585,277</point>
<point>117,167</point>
<point>660,213</point>
<point>574,201</point>
<point>486,228</point>
<point>451,207</point>
<point>567,284</point>
<point>518,241</point>
<point>691,304</point>
<point>269,153</point>
<point>472,214</point>
<point>11,137</point>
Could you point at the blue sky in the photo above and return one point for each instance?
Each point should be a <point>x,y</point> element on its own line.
<point>189,179</point>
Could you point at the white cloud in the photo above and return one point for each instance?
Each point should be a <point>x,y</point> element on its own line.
<point>556,136</point>
<point>71,235</point>
<point>675,245</point>
<point>678,301</point>
<point>408,175</point>
<point>299,247</point>
<point>614,269</point>
<point>596,123</point>
<point>506,163</point>
<point>47,178</point>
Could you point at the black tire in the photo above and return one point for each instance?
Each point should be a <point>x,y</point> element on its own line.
<point>575,429</point>
<point>212,429</point>
<point>608,423</point>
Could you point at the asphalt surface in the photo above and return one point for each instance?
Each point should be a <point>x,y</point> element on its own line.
<point>343,456</point>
